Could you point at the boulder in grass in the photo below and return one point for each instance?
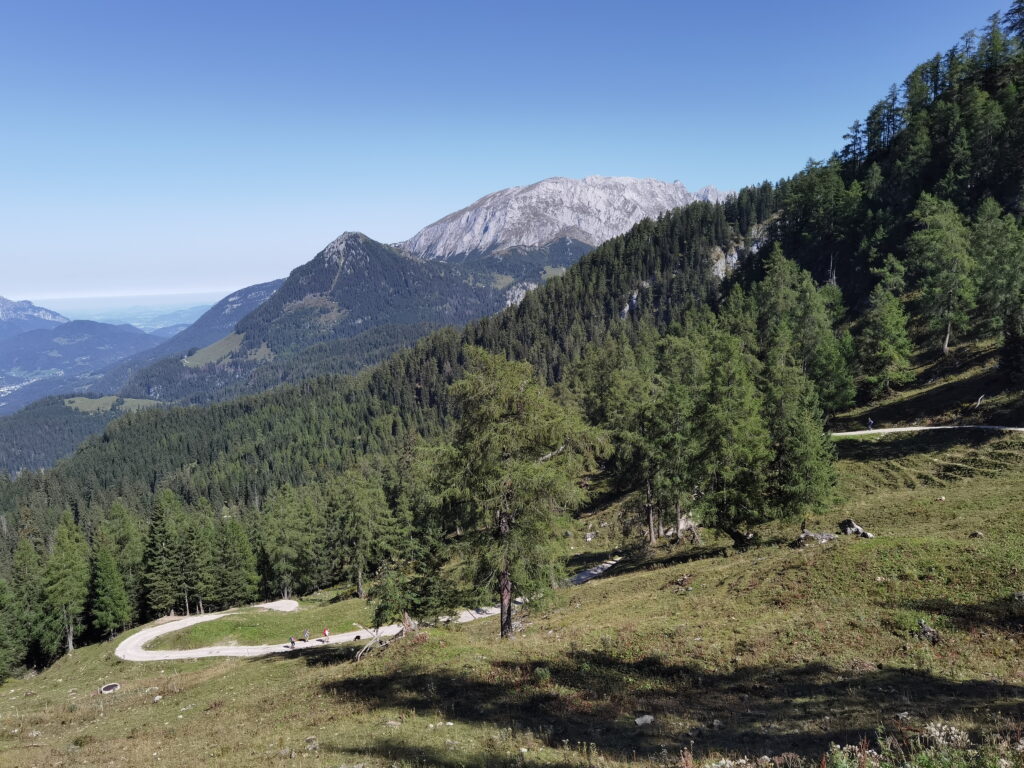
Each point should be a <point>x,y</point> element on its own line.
<point>807,538</point>
<point>850,528</point>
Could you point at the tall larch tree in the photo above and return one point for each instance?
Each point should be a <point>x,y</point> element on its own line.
<point>517,461</point>
<point>945,270</point>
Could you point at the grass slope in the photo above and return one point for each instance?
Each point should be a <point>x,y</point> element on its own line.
<point>261,627</point>
<point>770,651</point>
<point>108,403</point>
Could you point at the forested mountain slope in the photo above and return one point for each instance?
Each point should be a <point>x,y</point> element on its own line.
<point>704,400</point>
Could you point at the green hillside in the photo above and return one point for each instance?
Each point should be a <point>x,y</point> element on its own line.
<point>777,650</point>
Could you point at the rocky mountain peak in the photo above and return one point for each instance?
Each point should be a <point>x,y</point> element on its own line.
<point>589,211</point>
<point>24,310</point>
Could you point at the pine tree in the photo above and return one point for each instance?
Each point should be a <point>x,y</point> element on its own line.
<point>361,512</point>
<point>28,597</point>
<point>126,533</point>
<point>883,346</point>
<point>940,249</point>
<point>1014,20</point>
<point>162,574</point>
<point>110,605</point>
<point>734,450</point>
<point>237,579</point>
<point>518,456</point>
<point>997,245</point>
<point>1012,351</point>
<point>685,373</point>
<point>801,472</point>
<point>66,586</point>
<point>12,652</point>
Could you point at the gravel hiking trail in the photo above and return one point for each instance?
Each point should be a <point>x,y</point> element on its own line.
<point>891,430</point>
<point>133,648</point>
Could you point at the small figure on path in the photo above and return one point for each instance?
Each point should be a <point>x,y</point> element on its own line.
<point>871,423</point>
<point>293,641</point>
<point>327,635</point>
<point>305,636</point>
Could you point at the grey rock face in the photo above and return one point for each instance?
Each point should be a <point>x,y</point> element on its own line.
<point>25,310</point>
<point>589,211</point>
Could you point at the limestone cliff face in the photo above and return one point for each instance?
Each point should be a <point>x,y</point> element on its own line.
<point>588,211</point>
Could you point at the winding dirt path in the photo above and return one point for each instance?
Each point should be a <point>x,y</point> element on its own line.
<point>890,430</point>
<point>134,648</point>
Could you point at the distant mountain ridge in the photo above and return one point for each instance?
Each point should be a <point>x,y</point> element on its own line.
<point>21,316</point>
<point>587,211</point>
<point>358,301</point>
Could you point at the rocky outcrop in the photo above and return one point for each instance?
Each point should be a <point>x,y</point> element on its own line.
<point>587,211</point>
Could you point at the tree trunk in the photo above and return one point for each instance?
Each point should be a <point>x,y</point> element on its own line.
<point>652,531</point>
<point>505,590</point>
<point>360,591</point>
<point>945,343</point>
<point>188,611</point>
<point>200,601</point>
<point>71,631</point>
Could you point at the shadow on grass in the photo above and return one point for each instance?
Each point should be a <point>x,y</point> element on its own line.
<point>593,697</point>
<point>954,398</point>
<point>315,655</point>
<point>397,751</point>
<point>583,560</point>
<point>1006,614</point>
<point>659,559</point>
<point>900,445</point>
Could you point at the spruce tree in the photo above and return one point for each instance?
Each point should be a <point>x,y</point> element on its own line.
<point>800,475</point>
<point>517,459</point>
<point>237,578</point>
<point>361,512</point>
<point>66,586</point>
<point>28,597</point>
<point>110,605</point>
<point>883,346</point>
<point>126,533</point>
<point>940,249</point>
<point>997,245</point>
<point>11,650</point>
<point>1012,351</point>
<point>162,574</point>
<point>734,451</point>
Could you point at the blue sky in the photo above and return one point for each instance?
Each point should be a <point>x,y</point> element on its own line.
<point>194,147</point>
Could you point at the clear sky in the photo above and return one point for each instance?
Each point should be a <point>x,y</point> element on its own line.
<point>204,146</point>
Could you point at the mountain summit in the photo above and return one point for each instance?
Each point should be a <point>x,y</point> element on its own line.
<point>20,316</point>
<point>587,211</point>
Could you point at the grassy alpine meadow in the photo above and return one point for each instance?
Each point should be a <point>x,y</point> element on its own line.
<point>776,651</point>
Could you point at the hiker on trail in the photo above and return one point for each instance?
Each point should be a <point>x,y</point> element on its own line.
<point>327,635</point>
<point>293,641</point>
<point>871,423</point>
<point>305,636</point>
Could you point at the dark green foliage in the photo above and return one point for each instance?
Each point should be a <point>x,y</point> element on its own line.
<point>65,588</point>
<point>517,459</point>
<point>883,346</point>
<point>11,652</point>
<point>44,432</point>
<point>161,577</point>
<point>945,270</point>
<point>109,604</point>
<point>361,519</point>
<point>237,578</point>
